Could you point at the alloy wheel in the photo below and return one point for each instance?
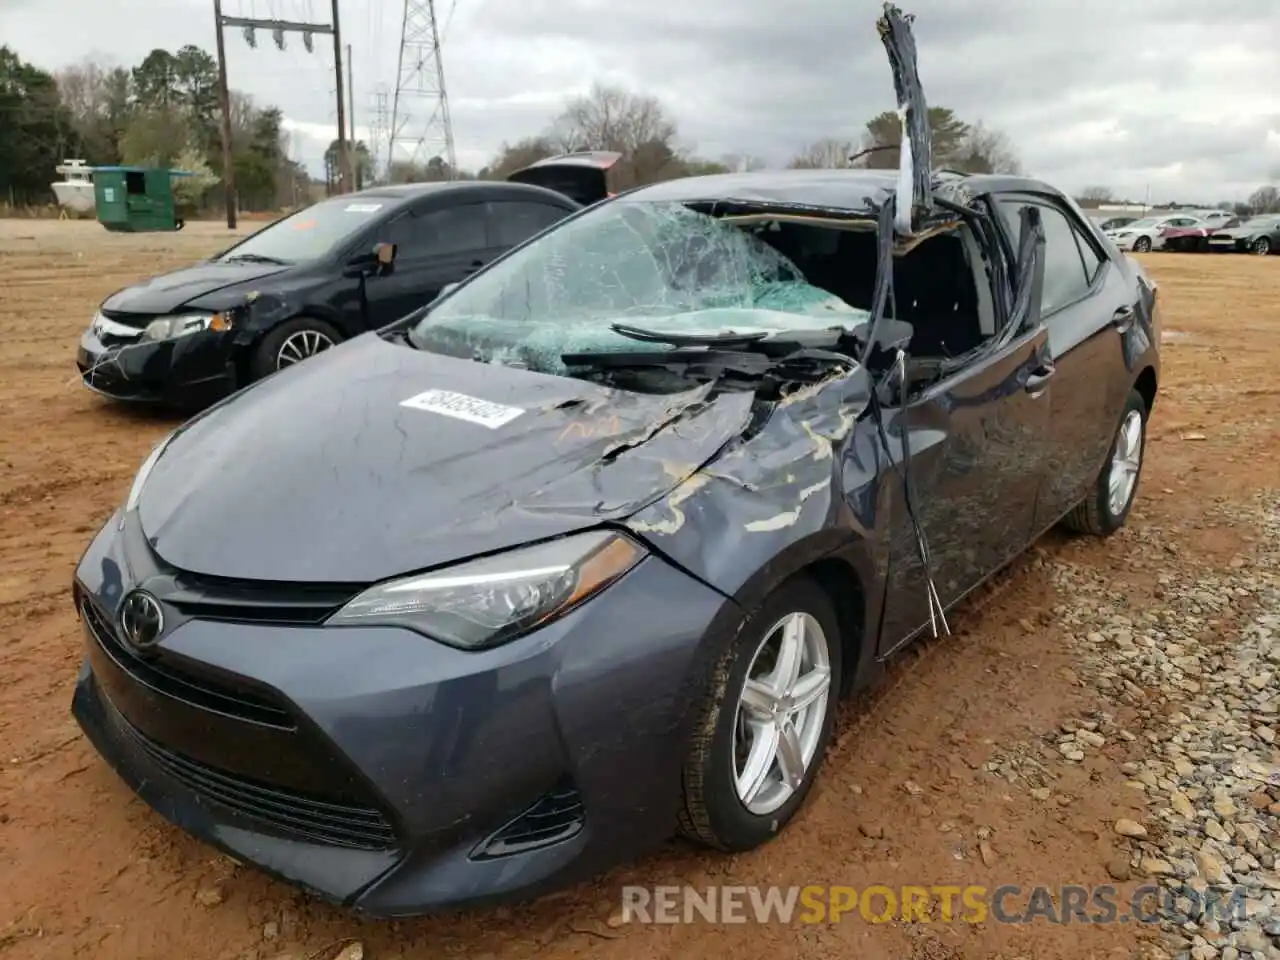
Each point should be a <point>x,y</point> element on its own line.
<point>781,712</point>
<point>1262,246</point>
<point>301,345</point>
<point>1125,463</point>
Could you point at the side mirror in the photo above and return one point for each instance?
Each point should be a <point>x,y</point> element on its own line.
<point>378,262</point>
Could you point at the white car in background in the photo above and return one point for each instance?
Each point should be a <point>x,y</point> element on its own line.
<point>1143,235</point>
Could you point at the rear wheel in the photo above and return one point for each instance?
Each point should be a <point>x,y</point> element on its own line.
<point>291,343</point>
<point>1107,507</point>
<point>765,722</point>
<point>1262,246</point>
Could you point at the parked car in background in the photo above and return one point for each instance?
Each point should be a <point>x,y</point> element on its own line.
<point>1186,239</point>
<point>1146,234</point>
<point>1115,223</point>
<point>315,278</point>
<point>1259,234</point>
<point>587,550</point>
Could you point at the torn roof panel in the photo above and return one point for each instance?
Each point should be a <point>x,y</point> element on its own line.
<point>852,191</point>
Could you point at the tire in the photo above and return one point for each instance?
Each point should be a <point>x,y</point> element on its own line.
<point>1261,246</point>
<point>713,813</point>
<point>267,354</point>
<point>1142,245</point>
<point>1096,514</point>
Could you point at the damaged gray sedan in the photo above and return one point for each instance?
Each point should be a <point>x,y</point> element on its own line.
<point>587,551</point>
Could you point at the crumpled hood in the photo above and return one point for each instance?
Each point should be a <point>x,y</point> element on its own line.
<point>322,474</point>
<point>172,290</point>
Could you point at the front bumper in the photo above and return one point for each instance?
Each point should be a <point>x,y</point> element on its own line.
<point>380,770</point>
<point>1231,244</point>
<point>189,372</point>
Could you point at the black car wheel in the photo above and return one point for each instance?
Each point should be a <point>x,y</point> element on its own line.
<point>1107,507</point>
<point>1142,245</point>
<point>765,722</point>
<point>1262,246</point>
<point>291,343</point>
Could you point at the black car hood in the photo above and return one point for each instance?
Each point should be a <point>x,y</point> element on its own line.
<point>172,290</point>
<point>320,474</point>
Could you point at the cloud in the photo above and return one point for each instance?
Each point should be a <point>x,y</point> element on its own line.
<point>1174,97</point>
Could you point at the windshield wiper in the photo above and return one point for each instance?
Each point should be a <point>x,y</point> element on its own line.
<point>715,364</point>
<point>254,258</point>
<point>767,343</point>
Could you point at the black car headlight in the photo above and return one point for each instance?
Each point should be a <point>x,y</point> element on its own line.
<point>489,601</point>
<point>167,328</point>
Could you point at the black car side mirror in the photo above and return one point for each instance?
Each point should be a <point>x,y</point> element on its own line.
<point>378,262</point>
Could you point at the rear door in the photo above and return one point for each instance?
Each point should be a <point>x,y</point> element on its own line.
<point>434,247</point>
<point>512,222</point>
<point>1087,305</point>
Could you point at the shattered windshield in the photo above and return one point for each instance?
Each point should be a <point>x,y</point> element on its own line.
<point>661,266</point>
<point>311,232</point>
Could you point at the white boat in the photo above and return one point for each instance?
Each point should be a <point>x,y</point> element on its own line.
<point>75,190</point>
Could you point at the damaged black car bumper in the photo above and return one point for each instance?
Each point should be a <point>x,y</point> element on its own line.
<point>384,771</point>
<point>185,372</point>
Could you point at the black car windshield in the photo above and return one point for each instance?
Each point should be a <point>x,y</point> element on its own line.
<point>310,233</point>
<point>661,266</point>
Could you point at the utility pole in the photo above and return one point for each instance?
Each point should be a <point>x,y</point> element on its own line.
<point>224,102</point>
<point>344,154</point>
<point>351,124</point>
<point>278,30</point>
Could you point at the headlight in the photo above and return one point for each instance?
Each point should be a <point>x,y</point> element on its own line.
<point>487,602</point>
<point>166,328</point>
<point>144,471</point>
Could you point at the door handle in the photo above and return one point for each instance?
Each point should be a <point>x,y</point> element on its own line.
<point>1123,319</point>
<point>1039,379</point>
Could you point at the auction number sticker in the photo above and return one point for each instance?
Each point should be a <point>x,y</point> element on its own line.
<point>459,406</point>
<point>362,208</point>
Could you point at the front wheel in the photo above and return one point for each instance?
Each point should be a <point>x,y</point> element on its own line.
<point>1142,245</point>
<point>765,722</point>
<point>1106,508</point>
<point>1262,246</point>
<point>291,343</point>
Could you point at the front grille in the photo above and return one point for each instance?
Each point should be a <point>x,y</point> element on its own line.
<point>554,818</point>
<point>251,601</point>
<point>293,814</point>
<point>173,681</point>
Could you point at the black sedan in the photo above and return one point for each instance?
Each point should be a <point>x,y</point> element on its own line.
<point>588,550</point>
<point>317,277</point>
<point>1259,235</point>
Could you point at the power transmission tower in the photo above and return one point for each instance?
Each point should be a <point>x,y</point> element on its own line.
<point>380,127</point>
<point>420,108</point>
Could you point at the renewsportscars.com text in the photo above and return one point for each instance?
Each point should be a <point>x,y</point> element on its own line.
<point>919,904</point>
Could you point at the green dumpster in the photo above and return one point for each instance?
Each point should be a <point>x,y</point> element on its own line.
<point>136,199</point>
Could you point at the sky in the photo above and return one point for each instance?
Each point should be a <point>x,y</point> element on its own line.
<point>1157,99</point>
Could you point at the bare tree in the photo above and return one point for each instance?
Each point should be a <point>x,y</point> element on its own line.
<point>983,149</point>
<point>1096,194</point>
<point>1265,200</point>
<point>613,118</point>
<point>516,156</point>
<point>828,153</point>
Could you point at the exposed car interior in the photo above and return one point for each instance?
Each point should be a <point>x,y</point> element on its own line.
<point>942,287</point>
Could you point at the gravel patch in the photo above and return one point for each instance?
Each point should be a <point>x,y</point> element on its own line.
<point>1197,677</point>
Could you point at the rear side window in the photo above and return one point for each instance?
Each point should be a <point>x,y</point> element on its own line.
<point>515,221</point>
<point>1070,262</point>
<point>437,233</point>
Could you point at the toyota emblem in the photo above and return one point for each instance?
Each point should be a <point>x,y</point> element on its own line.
<point>141,620</point>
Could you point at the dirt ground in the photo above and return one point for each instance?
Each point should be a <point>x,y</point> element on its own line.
<point>86,869</point>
